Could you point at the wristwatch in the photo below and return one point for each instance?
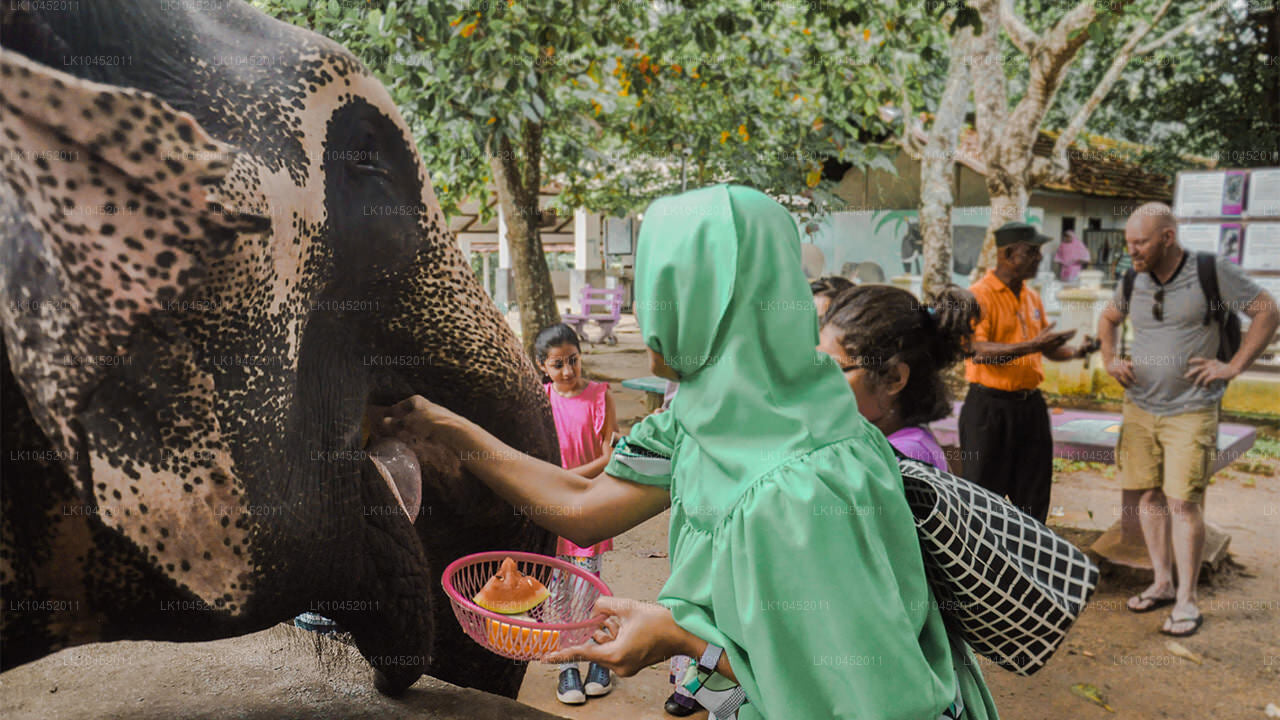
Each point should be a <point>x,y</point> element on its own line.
<point>710,658</point>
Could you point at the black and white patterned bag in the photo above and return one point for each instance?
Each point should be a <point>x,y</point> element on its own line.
<point>1007,583</point>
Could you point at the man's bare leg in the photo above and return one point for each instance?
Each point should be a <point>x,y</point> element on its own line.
<point>1188,551</point>
<point>1153,514</point>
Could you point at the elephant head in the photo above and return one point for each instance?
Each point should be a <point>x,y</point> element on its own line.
<point>218,249</point>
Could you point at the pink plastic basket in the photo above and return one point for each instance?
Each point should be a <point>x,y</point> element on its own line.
<point>562,620</point>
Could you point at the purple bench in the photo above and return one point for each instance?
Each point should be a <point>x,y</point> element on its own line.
<point>609,302</point>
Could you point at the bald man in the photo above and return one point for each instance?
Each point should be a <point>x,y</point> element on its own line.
<point>1173,386</point>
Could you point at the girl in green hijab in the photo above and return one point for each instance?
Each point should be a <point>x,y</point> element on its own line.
<point>792,547</point>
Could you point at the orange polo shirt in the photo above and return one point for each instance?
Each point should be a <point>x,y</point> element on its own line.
<point>1007,318</point>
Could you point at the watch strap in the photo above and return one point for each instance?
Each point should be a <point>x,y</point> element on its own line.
<point>710,658</point>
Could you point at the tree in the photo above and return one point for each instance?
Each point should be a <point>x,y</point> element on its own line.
<point>614,104</point>
<point>485,89</point>
<point>938,166</point>
<point>1213,90</point>
<point>760,94</point>
<point>1007,135</point>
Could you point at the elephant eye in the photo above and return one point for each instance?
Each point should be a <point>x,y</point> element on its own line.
<point>371,168</point>
<point>366,158</point>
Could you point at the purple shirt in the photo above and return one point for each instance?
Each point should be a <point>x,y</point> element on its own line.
<point>918,443</point>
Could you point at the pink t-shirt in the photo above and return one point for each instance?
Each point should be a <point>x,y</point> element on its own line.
<point>579,423</point>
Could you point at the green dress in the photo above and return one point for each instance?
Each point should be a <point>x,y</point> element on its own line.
<point>791,543</point>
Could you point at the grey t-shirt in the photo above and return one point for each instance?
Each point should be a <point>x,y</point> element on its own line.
<point>1160,350</point>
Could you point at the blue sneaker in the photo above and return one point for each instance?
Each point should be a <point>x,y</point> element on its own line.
<point>569,691</point>
<point>599,681</point>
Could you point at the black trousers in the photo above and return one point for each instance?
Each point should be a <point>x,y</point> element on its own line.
<point>1007,446</point>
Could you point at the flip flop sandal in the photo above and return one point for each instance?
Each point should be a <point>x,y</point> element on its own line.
<point>1155,603</point>
<point>1197,620</point>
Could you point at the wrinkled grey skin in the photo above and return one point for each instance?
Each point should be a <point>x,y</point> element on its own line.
<point>218,249</point>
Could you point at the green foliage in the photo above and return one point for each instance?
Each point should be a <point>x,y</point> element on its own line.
<point>465,73</point>
<point>1063,465</point>
<point>1212,91</point>
<point>761,94</point>
<point>625,91</point>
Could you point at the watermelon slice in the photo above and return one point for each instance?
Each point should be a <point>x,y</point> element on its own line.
<point>510,591</point>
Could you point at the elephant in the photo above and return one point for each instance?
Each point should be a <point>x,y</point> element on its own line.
<point>220,255</point>
<point>965,250</point>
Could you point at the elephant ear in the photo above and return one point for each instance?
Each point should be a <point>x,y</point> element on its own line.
<point>105,219</point>
<point>106,232</point>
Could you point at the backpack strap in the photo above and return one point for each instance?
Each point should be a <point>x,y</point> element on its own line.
<point>1127,285</point>
<point>1129,277</point>
<point>1207,271</point>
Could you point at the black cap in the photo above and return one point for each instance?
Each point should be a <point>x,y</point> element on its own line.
<point>1019,232</point>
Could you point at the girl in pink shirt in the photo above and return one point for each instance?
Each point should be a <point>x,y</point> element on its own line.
<point>586,423</point>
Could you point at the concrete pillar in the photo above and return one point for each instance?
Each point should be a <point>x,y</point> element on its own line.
<point>501,295</point>
<point>484,273</point>
<point>1081,308</point>
<point>587,255</point>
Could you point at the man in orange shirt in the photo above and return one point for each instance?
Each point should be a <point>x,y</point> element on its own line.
<point>1005,438</point>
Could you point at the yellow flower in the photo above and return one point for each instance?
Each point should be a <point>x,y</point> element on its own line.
<point>468,29</point>
<point>742,130</point>
<point>596,107</point>
<point>724,136</point>
<point>866,35</point>
<point>623,92</point>
<point>492,120</point>
<point>454,23</point>
<point>813,177</point>
<point>806,31</point>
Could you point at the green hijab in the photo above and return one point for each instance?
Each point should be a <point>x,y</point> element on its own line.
<point>720,293</point>
<point>791,544</point>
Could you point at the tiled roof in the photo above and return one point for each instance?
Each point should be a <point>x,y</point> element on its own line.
<point>1099,166</point>
<point>1103,167</point>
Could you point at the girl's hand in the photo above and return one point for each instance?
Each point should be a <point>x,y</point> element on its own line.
<point>633,636</point>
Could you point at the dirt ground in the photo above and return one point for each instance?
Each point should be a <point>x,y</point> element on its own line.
<point>274,674</point>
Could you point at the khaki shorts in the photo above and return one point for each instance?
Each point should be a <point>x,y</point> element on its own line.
<point>1173,452</point>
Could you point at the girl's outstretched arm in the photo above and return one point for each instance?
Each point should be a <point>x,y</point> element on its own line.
<point>585,511</point>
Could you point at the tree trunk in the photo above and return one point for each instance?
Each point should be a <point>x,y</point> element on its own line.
<point>518,194</point>
<point>938,170</point>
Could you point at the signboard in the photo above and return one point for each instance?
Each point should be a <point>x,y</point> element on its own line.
<point>1230,242</point>
<point>617,236</point>
<point>1200,194</point>
<point>1264,193</point>
<point>1200,237</point>
<point>1262,246</point>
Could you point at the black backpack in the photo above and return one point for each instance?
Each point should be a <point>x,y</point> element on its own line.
<point>1228,322</point>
